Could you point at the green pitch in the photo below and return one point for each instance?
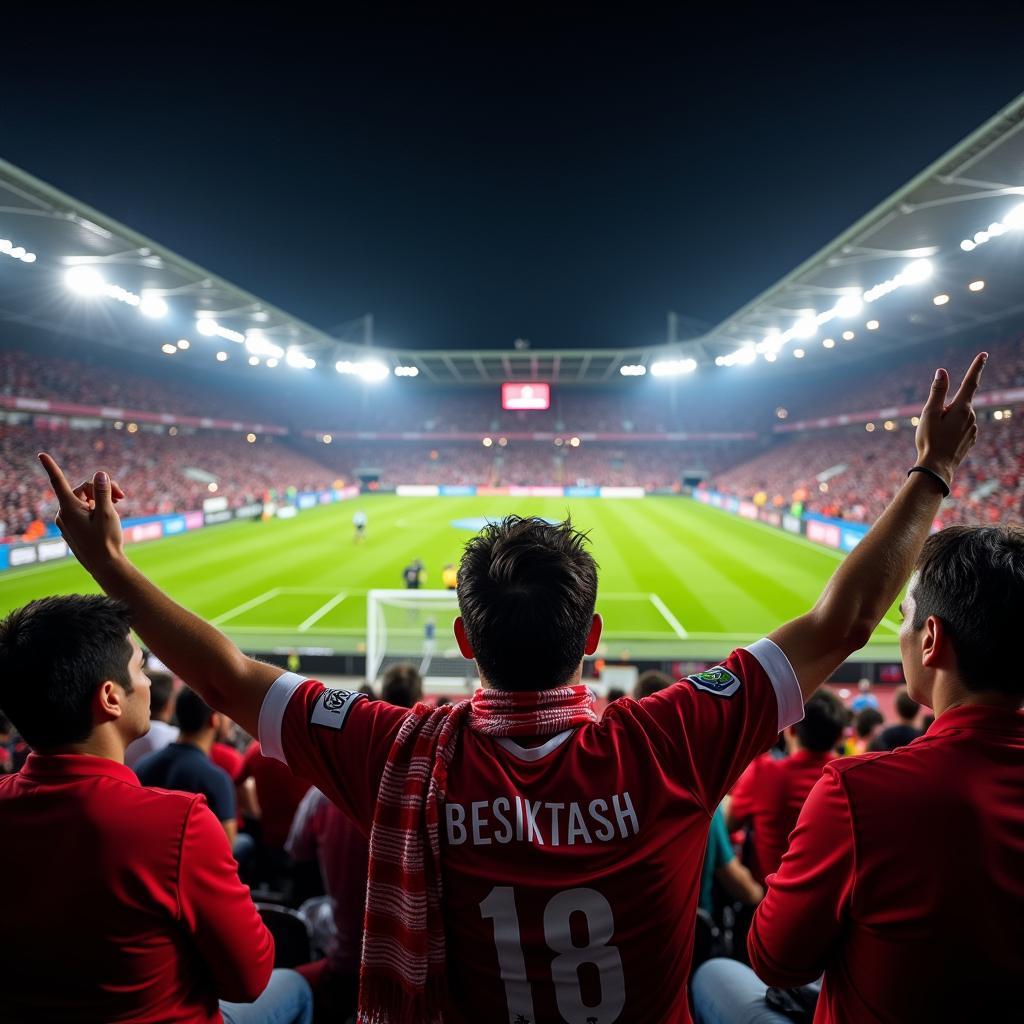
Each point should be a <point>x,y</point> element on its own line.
<point>677,579</point>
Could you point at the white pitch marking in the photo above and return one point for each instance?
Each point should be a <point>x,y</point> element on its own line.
<point>323,610</point>
<point>676,625</point>
<point>231,613</point>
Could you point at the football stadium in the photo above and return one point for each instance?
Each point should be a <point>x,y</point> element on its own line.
<point>311,493</point>
<point>720,479</point>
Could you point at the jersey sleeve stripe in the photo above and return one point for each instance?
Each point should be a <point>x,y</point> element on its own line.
<point>275,703</point>
<point>784,682</point>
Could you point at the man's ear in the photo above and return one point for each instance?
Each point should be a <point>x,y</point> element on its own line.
<point>937,645</point>
<point>594,636</point>
<point>465,648</point>
<point>108,702</point>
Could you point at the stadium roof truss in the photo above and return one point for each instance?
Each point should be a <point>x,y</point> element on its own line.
<point>961,194</point>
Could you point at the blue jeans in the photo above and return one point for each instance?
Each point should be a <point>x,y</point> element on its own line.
<point>728,992</point>
<point>287,999</point>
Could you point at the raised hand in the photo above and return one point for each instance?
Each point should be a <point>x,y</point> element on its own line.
<point>946,433</point>
<point>87,519</point>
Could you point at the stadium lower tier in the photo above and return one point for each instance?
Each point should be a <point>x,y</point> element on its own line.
<point>848,473</point>
<point>853,474</point>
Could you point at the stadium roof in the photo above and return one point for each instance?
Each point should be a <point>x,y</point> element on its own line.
<point>961,220</point>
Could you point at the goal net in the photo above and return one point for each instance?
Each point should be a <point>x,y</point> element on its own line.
<point>415,626</point>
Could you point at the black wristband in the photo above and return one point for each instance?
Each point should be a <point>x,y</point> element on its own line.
<point>935,476</point>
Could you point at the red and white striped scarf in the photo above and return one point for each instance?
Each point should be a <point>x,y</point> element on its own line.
<point>402,979</point>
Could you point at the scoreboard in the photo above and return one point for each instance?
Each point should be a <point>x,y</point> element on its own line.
<point>525,396</point>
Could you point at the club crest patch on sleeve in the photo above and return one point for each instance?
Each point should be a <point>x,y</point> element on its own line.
<point>332,708</point>
<point>718,680</point>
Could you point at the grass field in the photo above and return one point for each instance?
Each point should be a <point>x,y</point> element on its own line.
<point>677,579</point>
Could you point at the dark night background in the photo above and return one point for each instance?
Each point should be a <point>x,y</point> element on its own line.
<point>472,180</point>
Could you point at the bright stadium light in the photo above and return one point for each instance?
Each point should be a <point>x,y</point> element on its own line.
<point>805,327</point>
<point>169,349</point>
<point>1013,220</point>
<point>84,281</point>
<point>254,360</point>
<point>872,325</point>
<point>259,345</point>
<point>770,357</point>
<point>407,371</point>
<point>183,343</point>
<point>848,335</point>
<point>222,357</point>
<point>849,306</point>
<point>635,369</point>
<point>209,328</point>
<point>798,353</point>
<point>828,342</point>
<point>673,367</point>
<point>368,369</point>
<point>153,306</point>
<point>976,286</point>
<point>298,360</point>
<point>272,362</point>
<point>16,252</point>
<point>940,300</point>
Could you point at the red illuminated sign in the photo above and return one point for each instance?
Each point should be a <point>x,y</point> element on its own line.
<point>526,396</point>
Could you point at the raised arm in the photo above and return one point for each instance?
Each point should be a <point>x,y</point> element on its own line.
<point>870,578</point>
<point>190,647</point>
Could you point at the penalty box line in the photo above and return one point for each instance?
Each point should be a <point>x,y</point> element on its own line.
<point>674,623</point>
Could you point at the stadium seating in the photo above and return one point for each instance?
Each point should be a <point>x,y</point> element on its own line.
<point>852,474</point>
<point>860,470</point>
<point>154,466</point>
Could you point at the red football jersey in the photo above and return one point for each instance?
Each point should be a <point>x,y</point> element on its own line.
<point>572,868</point>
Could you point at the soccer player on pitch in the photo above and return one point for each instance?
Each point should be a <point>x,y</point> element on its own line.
<point>529,863</point>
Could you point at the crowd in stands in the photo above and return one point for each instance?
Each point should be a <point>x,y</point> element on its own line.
<point>846,473</point>
<point>526,462</point>
<point>168,473</point>
<point>95,379</point>
<point>852,474</point>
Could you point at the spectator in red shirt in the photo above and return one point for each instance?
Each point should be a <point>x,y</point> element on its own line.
<point>907,865</point>
<point>278,794</point>
<point>130,892</point>
<point>770,793</point>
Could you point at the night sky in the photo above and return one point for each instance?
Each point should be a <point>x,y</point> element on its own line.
<point>556,177</point>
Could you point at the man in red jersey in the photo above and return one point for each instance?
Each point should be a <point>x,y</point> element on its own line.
<point>770,793</point>
<point>122,903</point>
<point>903,882</point>
<point>527,862</point>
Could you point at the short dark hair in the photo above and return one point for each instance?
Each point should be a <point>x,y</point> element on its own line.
<point>527,590</point>
<point>866,720</point>
<point>54,653</point>
<point>823,722</point>
<point>192,712</point>
<point>906,706</point>
<point>650,682</point>
<point>614,693</point>
<point>161,689</point>
<point>402,686</point>
<point>972,578</point>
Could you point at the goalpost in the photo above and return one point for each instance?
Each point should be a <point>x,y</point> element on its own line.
<point>416,626</point>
